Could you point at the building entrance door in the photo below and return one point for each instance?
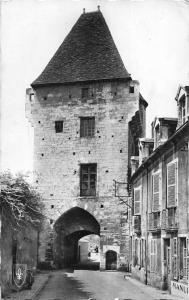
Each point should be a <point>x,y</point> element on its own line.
<point>167,263</point>
<point>111,260</point>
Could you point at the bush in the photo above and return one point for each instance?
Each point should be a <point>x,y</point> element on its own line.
<point>19,202</point>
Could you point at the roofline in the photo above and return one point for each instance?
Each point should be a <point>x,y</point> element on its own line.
<point>181,87</point>
<point>143,100</point>
<point>159,150</point>
<point>164,119</point>
<point>33,85</point>
<point>91,12</point>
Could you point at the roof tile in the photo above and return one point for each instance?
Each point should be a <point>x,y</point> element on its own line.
<point>87,53</point>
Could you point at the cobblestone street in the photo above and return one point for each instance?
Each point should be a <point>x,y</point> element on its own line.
<point>85,284</point>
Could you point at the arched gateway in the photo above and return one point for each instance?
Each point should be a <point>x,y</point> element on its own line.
<point>70,227</point>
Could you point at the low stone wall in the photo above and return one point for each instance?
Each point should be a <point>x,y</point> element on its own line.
<point>26,253</point>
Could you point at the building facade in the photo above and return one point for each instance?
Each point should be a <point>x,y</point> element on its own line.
<point>159,243</point>
<point>81,107</point>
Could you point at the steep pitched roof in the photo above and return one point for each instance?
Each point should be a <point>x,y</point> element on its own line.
<point>87,53</point>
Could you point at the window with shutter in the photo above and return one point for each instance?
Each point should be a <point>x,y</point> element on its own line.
<point>88,174</point>
<point>137,201</point>
<point>172,184</point>
<point>87,127</point>
<point>155,191</point>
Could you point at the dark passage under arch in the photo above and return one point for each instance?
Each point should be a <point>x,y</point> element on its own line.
<point>70,227</point>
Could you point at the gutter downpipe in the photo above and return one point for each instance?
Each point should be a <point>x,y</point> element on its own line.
<point>146,252</point>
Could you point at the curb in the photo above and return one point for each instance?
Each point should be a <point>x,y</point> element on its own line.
<point>142,285</point>
<point>40,288</point>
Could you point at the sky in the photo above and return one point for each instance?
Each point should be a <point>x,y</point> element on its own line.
<point>152,37</point>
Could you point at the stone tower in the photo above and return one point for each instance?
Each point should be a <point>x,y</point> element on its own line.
<point>81,108</point>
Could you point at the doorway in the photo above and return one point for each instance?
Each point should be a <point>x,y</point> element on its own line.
<point>111,260</point>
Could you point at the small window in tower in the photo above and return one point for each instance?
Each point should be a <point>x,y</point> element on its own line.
<point>58,126</point>
<point>131,89</point>
<point>88,179</point>
<point>87,126</point>
<point>84,92</point>
<point>31,97</point>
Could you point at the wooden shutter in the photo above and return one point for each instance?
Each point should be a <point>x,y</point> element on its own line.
<point>172,184</point>
<point>187,253</point>
<point>187,246</point>
<point>156,191</point>
<point>153,255</point>
<point>150,221</point>
<point>143,252</point>
<point>137,201</point>
<point>185,262</point>
<point>175,259</point>
<point>137,224</point>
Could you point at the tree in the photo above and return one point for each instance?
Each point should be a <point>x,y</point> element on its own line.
<point>19,202</point>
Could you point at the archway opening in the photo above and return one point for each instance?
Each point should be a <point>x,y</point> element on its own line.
<point>70,227</point>
<point>111,260</point>
<point>89,252</point>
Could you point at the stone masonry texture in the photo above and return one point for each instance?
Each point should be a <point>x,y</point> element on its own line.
<point>57,156</point>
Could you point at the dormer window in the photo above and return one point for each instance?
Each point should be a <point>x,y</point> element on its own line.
<point>183,110</point>
<point>157,135</point>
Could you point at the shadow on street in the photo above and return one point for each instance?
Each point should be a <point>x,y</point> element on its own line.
<point>61,286</point>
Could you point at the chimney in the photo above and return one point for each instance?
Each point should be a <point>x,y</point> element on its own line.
<point>134,164</point>
<point>145,149</point>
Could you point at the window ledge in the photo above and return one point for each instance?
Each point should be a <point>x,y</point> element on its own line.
<point>87,137</point>
<point>84,197</point>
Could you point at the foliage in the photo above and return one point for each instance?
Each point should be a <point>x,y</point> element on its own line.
<point>19,202</point>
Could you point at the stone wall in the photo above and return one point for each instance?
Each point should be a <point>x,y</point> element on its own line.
<point>26,238</point>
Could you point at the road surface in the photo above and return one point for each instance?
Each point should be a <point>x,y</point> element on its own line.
<point>88,284</point>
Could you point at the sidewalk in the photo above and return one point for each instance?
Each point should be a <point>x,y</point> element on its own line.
<point>152,291</point>
<point>39,283</point>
